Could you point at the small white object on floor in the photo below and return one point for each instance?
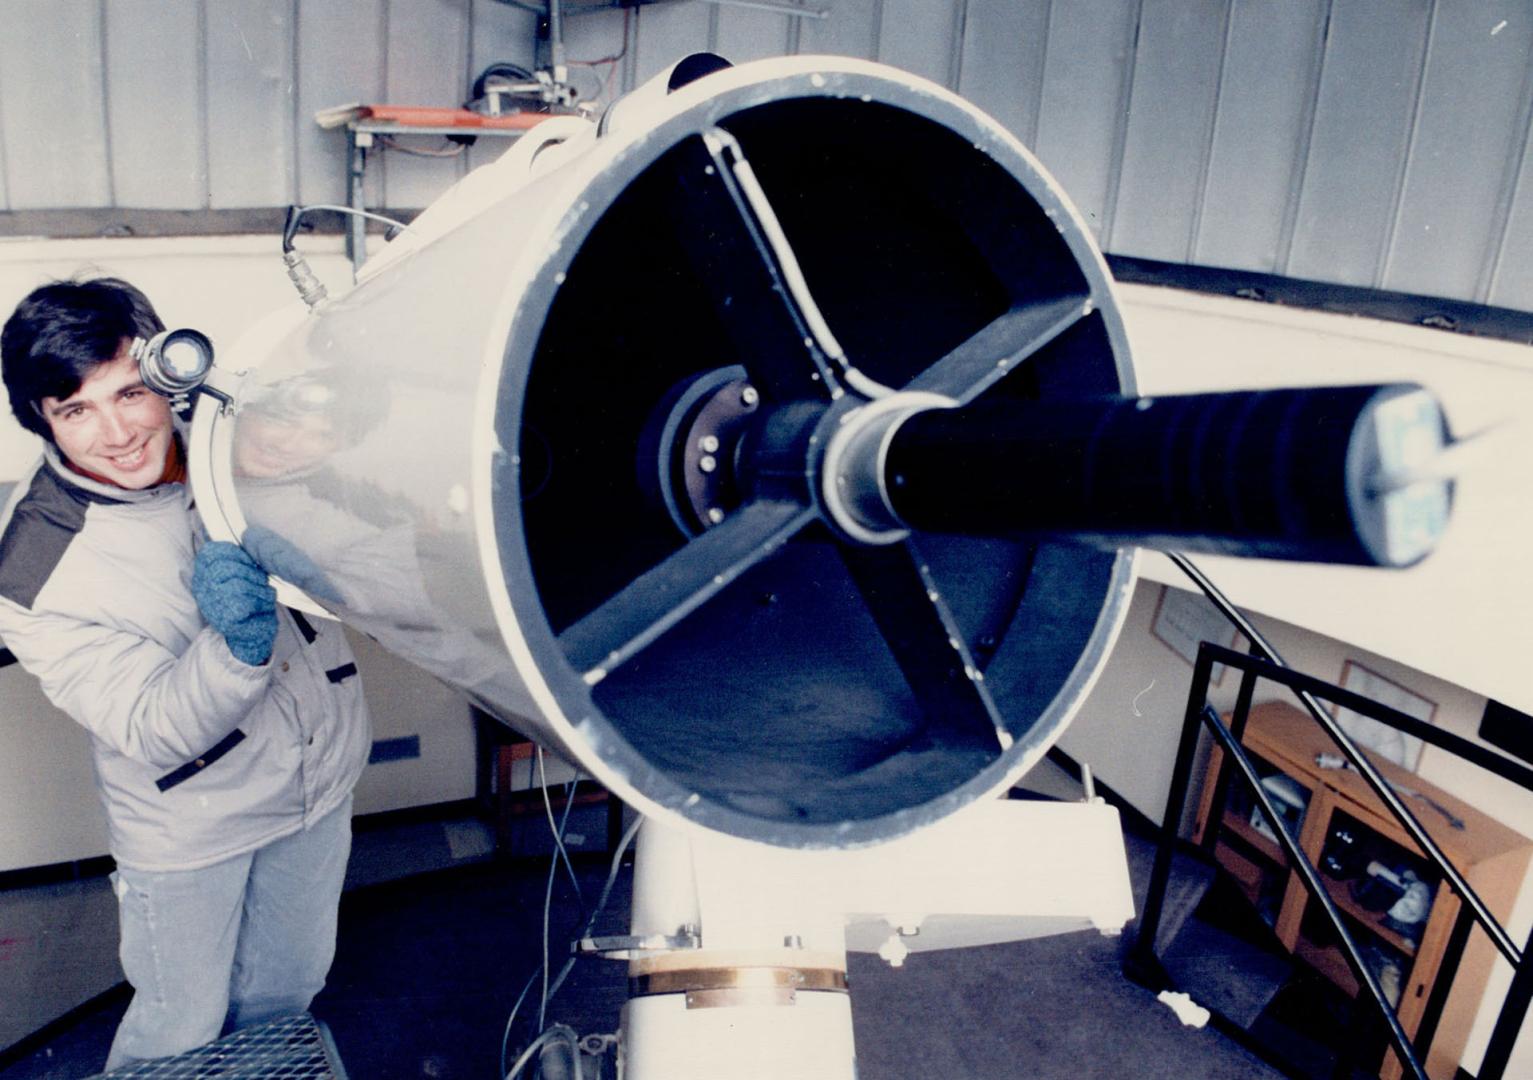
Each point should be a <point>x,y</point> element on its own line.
<point>1187,1011</point>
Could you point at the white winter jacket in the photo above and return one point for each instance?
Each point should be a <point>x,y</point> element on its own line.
<point>199,756</point>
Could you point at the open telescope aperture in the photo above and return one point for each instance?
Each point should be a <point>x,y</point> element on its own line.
<point>762,674</point>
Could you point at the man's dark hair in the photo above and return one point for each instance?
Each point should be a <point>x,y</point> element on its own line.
<point>59,334</point>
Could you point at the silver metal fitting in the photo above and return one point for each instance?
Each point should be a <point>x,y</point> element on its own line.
<point>310,288</point>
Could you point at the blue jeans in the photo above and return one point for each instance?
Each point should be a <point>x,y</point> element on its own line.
<point>232,944</point>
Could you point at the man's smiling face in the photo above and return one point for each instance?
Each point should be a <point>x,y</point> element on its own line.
<point>113,426</point>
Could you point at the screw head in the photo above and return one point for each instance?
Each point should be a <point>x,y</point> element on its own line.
<point>709,444</point>
<point>707,463</point>
<point>749,396</point>
<point>715,515</point>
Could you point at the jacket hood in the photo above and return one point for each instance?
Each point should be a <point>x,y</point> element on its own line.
<point>96,491</point>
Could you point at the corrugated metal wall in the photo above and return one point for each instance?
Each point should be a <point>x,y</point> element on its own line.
<point>1363,142</point>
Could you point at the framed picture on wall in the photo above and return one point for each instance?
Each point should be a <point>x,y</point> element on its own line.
<point>1183,620</point>
<point>1388,743</point>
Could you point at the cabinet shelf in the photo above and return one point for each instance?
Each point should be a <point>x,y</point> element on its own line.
<point>1260,841</point>
<point>1371,921</point>
<point>1247,874</point>
<point>1328,961</point>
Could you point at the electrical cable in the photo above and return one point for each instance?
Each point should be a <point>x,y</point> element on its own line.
<point>590,924</point>
<point>559,1031</point>
<point>505,1038</point>
<point>564,820</point>
<point>548,900</point>
<point>553,870</point>
<point>310,288</point>
<point>548,896</point>
<point>611,61</point>
<point>295,215</point>
<point>615,57</point>
<point>558,831</point>
<point>569,964</point>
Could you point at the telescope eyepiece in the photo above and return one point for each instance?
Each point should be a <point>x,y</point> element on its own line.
<point>173,362</point>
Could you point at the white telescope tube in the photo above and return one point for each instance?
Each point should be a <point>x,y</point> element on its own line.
<point>560,447</point>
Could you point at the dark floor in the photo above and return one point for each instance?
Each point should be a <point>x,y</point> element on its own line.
<point>428,967</point>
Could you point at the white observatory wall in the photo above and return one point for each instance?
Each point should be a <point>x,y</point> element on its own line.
<point>48,807</point>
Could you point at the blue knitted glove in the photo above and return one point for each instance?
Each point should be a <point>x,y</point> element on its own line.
<point>279,557</point>
<point>234,598</point>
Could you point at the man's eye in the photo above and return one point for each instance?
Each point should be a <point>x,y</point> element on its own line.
<point>72,414</point>
<point>134,394</point>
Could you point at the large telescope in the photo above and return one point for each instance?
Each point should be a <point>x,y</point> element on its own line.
<point>771,450</point>
<point>742,448</point>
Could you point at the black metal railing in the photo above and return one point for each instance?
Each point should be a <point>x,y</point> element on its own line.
<point>1263,662</point>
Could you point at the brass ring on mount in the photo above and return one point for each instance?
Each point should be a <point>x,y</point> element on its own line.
<point>828,980</point>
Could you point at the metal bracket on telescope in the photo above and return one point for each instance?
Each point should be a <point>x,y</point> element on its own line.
<point>627,946</point>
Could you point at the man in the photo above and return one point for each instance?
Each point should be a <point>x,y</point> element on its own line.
<point>227,733</point>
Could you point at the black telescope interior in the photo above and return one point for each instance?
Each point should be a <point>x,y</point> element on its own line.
<point>771,677</point>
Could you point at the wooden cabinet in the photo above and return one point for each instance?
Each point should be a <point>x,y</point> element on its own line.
<point>1368,864</point>
<point>508,793</point>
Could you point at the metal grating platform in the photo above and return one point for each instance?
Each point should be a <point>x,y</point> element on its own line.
<point>295,1047</point>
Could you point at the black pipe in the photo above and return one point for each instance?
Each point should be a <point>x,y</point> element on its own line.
<point>1143,954</point>
<point>1514,1010</point>
<point>1222,783</point>
<point>1309,474</point>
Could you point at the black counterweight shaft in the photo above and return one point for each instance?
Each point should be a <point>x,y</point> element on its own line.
<point>1292,474</point>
